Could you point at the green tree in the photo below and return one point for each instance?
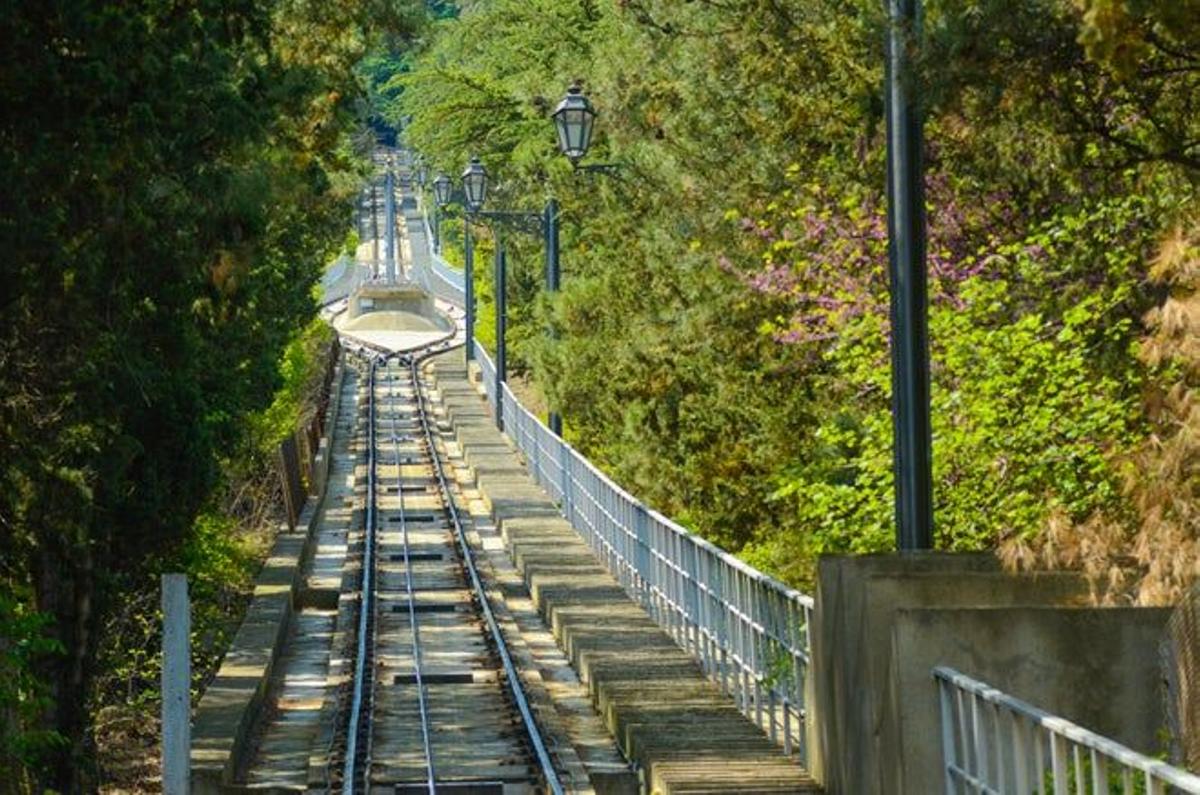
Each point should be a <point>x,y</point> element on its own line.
<point>174,181</point>
<point>722,331</point>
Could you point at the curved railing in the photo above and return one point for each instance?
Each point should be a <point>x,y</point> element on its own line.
<point>349,277</point>
<point>438,276</point>
<point>748,631</point>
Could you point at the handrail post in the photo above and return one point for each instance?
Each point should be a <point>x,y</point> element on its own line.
<point>642,553</point>
<point>501,323</point>
<point>469,291</point>
<point>564,473</point>
<point>437,229</point>
<point>374,229</point>
<point>550,228</point>
<point>389,204</point>
<point>949,755</point>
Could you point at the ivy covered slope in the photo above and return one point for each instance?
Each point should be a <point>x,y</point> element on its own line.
<point>174,177</point>
<point>722,342</point>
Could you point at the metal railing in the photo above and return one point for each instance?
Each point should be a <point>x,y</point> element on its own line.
<point>748,631</point>
<point>342,287</point>
<point>447,273</point>
<point>488,373</point>
<point>996,744</point>
<point>436,275</point>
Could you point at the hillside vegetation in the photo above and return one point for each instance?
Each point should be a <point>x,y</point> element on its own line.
<point>722,335</point>
<point>175,176</point>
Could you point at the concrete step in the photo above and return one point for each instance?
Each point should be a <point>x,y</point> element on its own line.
<point>683,732</point>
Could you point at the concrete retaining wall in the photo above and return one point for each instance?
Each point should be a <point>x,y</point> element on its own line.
<point>400,297</point>
<point>883,622</point>
<point>225,718</point>
<point>1098,667</point>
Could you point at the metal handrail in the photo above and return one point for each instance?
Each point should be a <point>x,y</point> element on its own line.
<point>361,686</point>
<point>441,268</point>
<point>995,743</point>
<point>748,631</point>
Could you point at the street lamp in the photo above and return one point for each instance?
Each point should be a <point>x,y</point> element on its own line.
<point>443,194</point>
<point>573,119</point>
<point>442,189</point>
<point>475,179</point>
<point>545,223</point>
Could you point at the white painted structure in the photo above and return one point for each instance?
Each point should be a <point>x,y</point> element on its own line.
<point>176,685</point>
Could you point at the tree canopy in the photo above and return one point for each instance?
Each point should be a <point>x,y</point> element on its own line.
<point>175,178</point>
<point>722,335</point>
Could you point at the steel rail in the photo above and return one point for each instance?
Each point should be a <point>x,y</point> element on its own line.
<point>422,698</point>
<point>367,599</point>
<point>510,671</point>
<point>373,356</point>
<point>359,723</point>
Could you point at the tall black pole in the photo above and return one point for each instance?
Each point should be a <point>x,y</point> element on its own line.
<point>375,229</point>
<point>906,251</point>
<point>469,284</point>
<point>389,206</point>
<point>437,230</point>
<point>550,226</point>
<point>501,322</point>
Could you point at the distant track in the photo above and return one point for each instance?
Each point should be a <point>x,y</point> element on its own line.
<point>434,589</point>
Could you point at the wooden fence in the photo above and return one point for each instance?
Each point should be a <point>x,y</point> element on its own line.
<point>298,452</point>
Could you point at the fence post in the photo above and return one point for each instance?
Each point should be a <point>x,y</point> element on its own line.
<point>564,470</point>
<point>176,685</point>
<point>641,555</point>
<point>501,362</point>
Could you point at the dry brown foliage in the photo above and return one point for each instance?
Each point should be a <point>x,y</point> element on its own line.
<point>1153,558</point>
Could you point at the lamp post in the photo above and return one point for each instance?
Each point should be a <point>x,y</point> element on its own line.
<point>472,201</point>
<point>441,195</point>
<point>389,204</point>
<point>475,184</point>
<point>375,229</point>
<point>545,223</point>
<point>550,230</point>
<point>574,120</point>
<point>912,435</point>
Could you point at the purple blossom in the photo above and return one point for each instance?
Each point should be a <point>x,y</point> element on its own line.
<point>837,269</point>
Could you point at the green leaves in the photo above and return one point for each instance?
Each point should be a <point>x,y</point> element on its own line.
<point>175,179</point>
<point>732,366</point>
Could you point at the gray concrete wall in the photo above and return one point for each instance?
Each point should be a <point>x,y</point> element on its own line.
<point>861,687</point>
<point>1098,667</point>
<point>402,297</point>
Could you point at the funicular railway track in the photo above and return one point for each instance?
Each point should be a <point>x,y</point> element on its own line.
<point>435,701</point>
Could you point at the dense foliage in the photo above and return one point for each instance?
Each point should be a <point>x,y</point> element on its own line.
<point>722,343</point>
<point>175,176</point>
